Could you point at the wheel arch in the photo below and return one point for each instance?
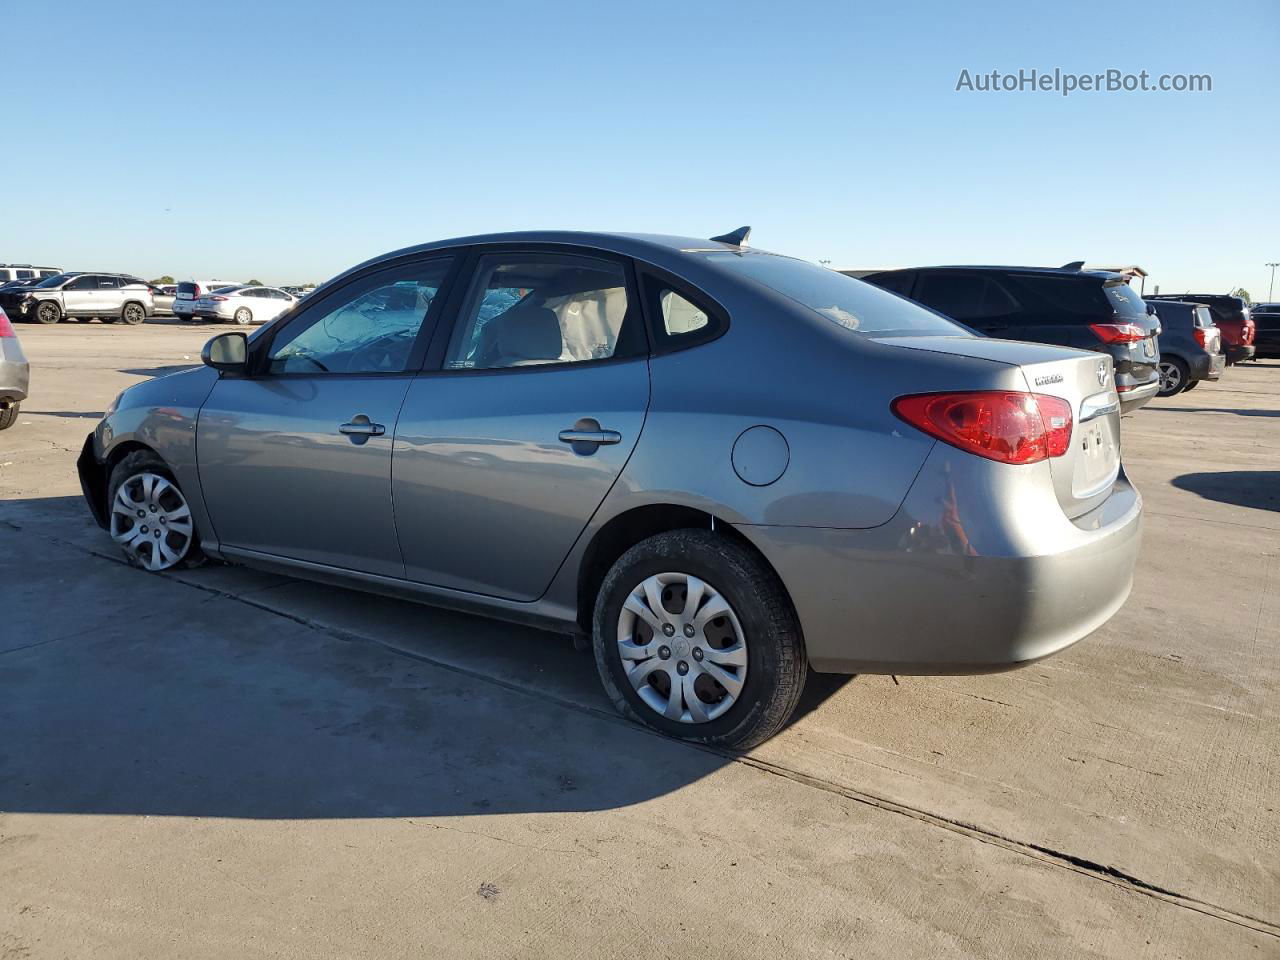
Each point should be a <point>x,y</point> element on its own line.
<point>125,306</point>
<point>623,531</point>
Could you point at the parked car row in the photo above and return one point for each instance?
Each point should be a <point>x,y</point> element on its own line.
<point>53,296</point>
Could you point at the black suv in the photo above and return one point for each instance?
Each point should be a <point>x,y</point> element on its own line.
<point>1088,309</point>
<point>1190,346</point>
<point>1266,332</point>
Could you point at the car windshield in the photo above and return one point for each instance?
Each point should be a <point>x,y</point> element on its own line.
<point>854,305</point>
<point>54,281</point>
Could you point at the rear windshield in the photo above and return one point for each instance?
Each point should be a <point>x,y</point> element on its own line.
<point>188,288</point>
<point>854,305</point>
<point>1125,300</point>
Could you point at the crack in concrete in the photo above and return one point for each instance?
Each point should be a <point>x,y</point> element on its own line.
<point>1048,855</point>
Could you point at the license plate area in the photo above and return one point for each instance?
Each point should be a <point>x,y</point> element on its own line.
<point>1094,454</point>
<point>1149,348</point>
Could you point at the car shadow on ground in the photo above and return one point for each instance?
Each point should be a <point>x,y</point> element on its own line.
<point>1244,488</point>
<point>142,695</point>
<point>1238,413</point>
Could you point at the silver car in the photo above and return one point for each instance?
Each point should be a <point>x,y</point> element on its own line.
<point>15,373</point>
<point>727,467</point>
<point>83,296</point>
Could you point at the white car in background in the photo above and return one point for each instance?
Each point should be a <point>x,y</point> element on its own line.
<point>189,291</point>
<point>243,304</point>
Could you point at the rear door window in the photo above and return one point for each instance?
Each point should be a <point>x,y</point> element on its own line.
<point>898,282</point>
<point>964,296</point>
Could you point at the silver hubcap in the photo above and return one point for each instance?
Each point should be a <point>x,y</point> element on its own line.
<point>151,521</point>
<point>1170,376</point>
<point>682,648</point>
<point>242,315</point>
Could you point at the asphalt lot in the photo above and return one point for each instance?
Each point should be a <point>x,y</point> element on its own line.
<point>224,763</point>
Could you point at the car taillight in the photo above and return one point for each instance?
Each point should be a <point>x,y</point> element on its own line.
<point>217,299</point>
<point>1204,335</point>
<point>6,328</point>
<point>1118,332</point>
<point>1002,425</point>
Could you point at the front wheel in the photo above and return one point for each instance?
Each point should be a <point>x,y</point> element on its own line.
<point>150,518</point>
<point>694,636</point>
<point>48,312</point>
<point>243,316</point>
<point>1173,376</point>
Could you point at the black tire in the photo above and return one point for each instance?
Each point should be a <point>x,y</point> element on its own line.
<point>777,664</point>
<point>1174,375</point>
<point>133,313</point>
<point>243,316</point>
<point>48,312</point>
<point>1191,385</point>
<point>9,416</point>
<point>144,461</point>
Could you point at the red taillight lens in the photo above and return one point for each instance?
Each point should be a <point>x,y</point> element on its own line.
<point>1202,337</point>
<point>1001,425</point>
<point>217,299</point>
<point>6,328</point>
<point>1118,332</point>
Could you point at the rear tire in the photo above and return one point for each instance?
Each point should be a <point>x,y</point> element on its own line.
<point>48,312</point>
<point>754,644</point>
<point>1173,376</point>
<point>141,483</point>
<point>243,316</point>
<point>9,416</point>
<point>133,314</point>
<point>1191,385</point>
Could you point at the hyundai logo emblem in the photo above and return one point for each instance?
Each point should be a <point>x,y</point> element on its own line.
<point>1102,374</point>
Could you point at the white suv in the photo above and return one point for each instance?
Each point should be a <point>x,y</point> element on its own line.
<point>25,271</point>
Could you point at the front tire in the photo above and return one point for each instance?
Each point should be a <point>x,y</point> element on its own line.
<point>48,312</point>
<point>133,314</point>
<point>149,516</point>
<point>9,416</point>
<point>695,637</point>
<point>1173,376</point>
<point>243,316</point>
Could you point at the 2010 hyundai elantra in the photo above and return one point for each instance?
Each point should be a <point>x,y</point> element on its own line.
<point>729,467</point>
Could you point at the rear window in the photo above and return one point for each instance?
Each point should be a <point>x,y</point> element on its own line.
<point>854,305</point>
<point>1125,300</point>
<point>192,288</point>
<point>1203,317</point>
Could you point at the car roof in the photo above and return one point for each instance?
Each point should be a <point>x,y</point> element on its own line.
<point>1035,271</point>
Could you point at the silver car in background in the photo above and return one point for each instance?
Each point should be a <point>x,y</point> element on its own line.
<point>243,304</point>
<point>727,467</point>
<point>15,373</point>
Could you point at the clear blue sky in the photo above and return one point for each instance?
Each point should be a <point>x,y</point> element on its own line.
<point>289,140</point>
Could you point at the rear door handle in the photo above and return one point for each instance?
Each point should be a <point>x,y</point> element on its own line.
<point>587,435</point>
<point>360,429</point>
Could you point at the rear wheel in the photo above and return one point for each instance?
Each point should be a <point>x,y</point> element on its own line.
<point>694,636</point>
<point>9,416</point>
<point>1191,385</point>
<point>133,314</point>
<point>150,518</point>
<point>48,312</point>
<point>1173,376</point>
<point>244,316</point>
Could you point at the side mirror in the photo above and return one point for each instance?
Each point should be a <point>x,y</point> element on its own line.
<point>228,352</point>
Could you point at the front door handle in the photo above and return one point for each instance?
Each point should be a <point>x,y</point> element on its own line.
<point>360,429</point>
<point>587,435</point>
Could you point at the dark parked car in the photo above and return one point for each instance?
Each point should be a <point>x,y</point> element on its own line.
<point>1230,314</point>
<point>726,466</point>
<point>15,374</point>
<point>1266,335</point>
<point>1089,309</point>
<point>1190,346</point>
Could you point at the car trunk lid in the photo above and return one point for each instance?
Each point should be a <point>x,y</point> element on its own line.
<point>1084,476</point>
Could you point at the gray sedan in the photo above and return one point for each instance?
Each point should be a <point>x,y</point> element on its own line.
<point>724,466</point>
<point>15,373</point>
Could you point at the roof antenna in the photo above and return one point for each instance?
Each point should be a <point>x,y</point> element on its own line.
<point>1073,265</point>
<point>738,238</point>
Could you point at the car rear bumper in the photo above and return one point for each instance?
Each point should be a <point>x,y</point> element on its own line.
<point>15,372</point>
<point>1208,366</point>
<point>963,579</point>
<point>1236,352</point>
<point>1137,397</point>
